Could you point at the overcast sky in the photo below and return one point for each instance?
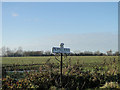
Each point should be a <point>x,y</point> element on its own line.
<point>80,26</point>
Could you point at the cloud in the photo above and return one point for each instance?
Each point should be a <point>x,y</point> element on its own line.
<point>15,14</point>
<point>83,42</point>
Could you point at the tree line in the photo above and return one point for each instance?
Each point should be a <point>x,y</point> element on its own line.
<point>19,52</point>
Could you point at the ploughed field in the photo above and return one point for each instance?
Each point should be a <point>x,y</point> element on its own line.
<point>79,72</point>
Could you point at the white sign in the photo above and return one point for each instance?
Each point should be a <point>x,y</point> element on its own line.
<point>60,49</point>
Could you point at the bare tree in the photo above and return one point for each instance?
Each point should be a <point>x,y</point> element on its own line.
<point>88,53</point>
<point>97,53</point>
<point>109,53</point>
<point>47,53</point>
<point>117,53</point>
<point>19,51</point>
<point>8,51</point>
<point>4,51</point>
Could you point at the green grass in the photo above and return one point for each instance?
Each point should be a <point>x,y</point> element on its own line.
<point>87,62</point>
<point>42,60</point>
<point>23,60</point>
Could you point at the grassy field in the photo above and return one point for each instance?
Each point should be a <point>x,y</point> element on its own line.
<point>88,62</point>
<point>43,59</point>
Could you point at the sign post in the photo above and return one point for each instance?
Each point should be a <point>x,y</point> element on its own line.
<point>61,50</point>
<point>61,71</point>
